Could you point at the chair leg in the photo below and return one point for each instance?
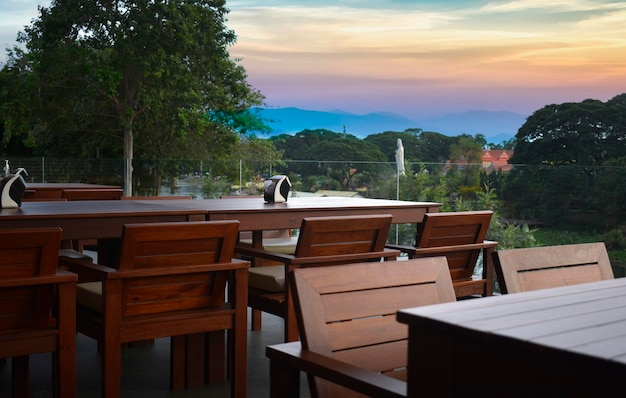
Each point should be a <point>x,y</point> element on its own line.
<point>111,370</point>
<point>177,362</point>
<point>255,319</point>
<point>20,380</point>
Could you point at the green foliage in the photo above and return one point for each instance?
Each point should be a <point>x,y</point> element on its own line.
<point>134,77</point>
<point>510,236</point>
<point>507,235</point>
<point>506,144</point>
<point>585,133</point>
<point>216,187</point>
<point>387,142</point>
<point>614,240</point>
<point>346,159</point>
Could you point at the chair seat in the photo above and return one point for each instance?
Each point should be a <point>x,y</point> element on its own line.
<point>276,245</point>
<point>75,255</point>
<point>270,278</point>
<point>89,295</point>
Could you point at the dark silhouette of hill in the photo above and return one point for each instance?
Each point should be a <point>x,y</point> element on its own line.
<point>495,126</point>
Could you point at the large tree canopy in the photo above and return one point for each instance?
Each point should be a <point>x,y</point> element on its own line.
<point>572,153</point>
<point>585,133</point>
<point>106,77</point>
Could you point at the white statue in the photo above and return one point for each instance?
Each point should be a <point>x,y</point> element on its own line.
<point>400,158</point>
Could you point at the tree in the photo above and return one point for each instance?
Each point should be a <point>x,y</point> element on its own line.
<point>583,133</point>
<point>466,153</point>
<point>434,150</point>
<point>387,142</point>
<point>346,159</point>
<point>565,148</point>
<point>131,70</point>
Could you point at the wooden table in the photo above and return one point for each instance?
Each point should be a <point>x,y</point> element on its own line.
<point>104,219</point>
<point>561,342</point>
<point>97,219</point>
<point>255,215</point>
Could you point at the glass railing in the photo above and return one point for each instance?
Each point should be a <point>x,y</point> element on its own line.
<point>536,195</point>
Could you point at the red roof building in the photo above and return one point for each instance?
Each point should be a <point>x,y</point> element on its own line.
<point>497,159</point>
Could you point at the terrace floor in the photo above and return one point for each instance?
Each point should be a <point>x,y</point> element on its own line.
<point>145,370</point>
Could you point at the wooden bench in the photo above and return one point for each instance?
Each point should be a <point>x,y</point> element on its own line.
<point>170,281</point>
<point>37,308</point>
<point>524,269</point>
<point>351,341</point>
<point>322,241</point>
<point>460,237</point>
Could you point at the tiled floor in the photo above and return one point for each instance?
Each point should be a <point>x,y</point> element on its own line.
<point>145,370</point>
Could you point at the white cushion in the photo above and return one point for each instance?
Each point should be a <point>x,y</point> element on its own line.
<point>89,295</point>
<point>270,278</point>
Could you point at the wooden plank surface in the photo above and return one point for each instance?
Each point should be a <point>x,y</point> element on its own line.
<point>576,335</point>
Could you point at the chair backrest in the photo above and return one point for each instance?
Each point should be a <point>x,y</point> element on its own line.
<point>452,229</point>
<point>180,245</point>
<point>93,194</point>
<point>348,312</point>
<point>27,253</point>
<point>327,236</point>
<point>533,268</point>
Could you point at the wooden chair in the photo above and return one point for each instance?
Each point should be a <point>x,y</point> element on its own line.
<point>352,344</point>
<point>322,241</point>
<point>520,270</point>
<point>460,237</point>
<point>37,308</point>
<point>171,281</point>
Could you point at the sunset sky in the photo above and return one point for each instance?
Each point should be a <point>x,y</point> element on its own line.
<point>418,58</point>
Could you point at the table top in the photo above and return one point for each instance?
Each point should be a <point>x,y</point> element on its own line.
<point>587,319</point>
<point>293,204</point>
<point>91,209</point>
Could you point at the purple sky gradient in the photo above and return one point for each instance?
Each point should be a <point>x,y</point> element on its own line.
<point>418,58</point>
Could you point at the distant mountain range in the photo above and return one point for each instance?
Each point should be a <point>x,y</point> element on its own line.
<point>495,126</point>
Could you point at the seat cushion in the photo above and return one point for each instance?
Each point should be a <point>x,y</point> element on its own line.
<point>270,278</point>
<point>89,295</point>
<point>276,245</point>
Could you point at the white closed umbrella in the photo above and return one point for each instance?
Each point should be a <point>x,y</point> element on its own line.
<point>400,158</point>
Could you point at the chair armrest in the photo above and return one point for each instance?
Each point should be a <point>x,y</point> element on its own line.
<point>429,251</point>
<point>89,272</point>
<point>442,250</point>
<point>344,258</point>
<point>401,248</point>
<point>235,264</point>
<point>260,253</point>
<point>366,382</point>
<point>61,276</point>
